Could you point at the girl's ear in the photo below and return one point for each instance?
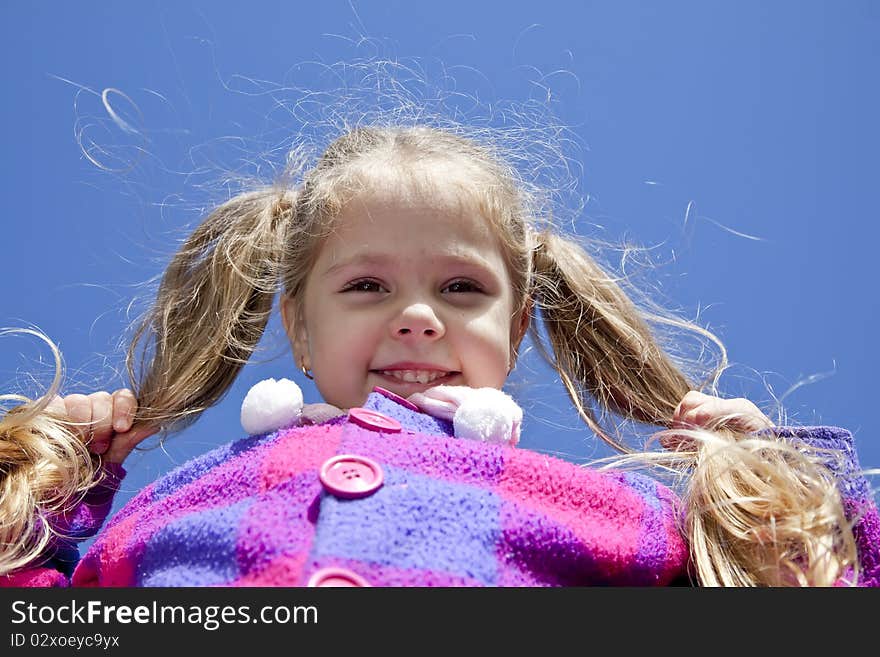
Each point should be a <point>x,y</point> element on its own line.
<point>295,327</point>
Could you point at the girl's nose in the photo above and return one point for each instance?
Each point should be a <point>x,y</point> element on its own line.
<point>417,321</point>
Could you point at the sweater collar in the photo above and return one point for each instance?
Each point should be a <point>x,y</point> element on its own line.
<point>410,420</point>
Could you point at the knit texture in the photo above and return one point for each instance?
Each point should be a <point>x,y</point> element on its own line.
<point>449,513</point>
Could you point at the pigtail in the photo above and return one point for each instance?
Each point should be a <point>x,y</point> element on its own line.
<point>212,307</point>
<point>759,510</point>
<point>602,348</point>
<point>763,511</point>
<point>44,468</point>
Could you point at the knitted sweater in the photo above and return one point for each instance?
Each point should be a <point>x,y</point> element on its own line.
<point>408,505</point>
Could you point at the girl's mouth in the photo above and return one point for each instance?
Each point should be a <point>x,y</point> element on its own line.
<point>416,378</point>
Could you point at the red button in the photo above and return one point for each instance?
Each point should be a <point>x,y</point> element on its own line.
<point>373,420</point>
<point>350,476</point>
<point>393,397</point>
<point>336,577</point>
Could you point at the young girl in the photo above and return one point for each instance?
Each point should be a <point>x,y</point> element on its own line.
<point>412,261</point>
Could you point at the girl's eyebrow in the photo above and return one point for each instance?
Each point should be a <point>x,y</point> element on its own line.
<point>470,261</point>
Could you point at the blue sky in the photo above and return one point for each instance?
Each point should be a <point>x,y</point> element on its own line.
<point>738,140</point>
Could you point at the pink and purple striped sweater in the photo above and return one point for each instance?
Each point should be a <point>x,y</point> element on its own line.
<point>448,512</point>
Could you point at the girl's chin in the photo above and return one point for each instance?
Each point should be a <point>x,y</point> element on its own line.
<point>407,388</point>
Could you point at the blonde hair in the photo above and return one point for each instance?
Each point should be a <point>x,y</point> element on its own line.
<point>44,468</point>
<point>759,510</point>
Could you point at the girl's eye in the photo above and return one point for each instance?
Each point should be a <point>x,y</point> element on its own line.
<point>363,285</point>
<point>370,285</point>
<point>463,286</point>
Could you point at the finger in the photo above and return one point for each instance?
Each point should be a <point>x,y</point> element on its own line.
<point>102,417</point>
<point>747,416</point>
<point>124,443</point>
<point>449,394</point>
<point>691,400</point>
<point>57,406</point>
<point>752,419</point>
<point>689,417</point>
<point>124,407</point>
<point>435,407</point>
<point>701,415</point>
<point>79,413</point>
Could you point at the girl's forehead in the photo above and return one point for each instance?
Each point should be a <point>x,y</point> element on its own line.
<point>427,214</point>
<point>386,227</point>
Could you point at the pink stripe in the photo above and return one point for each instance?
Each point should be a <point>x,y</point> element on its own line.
<point>224,485</point>
<point>110,561</point>
<point>116,559</point>
<point>278,523</point>
<point>285,570</point>
<point>35,577</point>
<point>603,513</point>
<point>297,451</point>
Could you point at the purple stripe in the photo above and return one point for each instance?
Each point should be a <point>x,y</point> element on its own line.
<point>867,534</point>
<point>652,553</point>
<point>193,470</point>
<point>543,552</point>
<point>198,549</point>
<point>449,459</point>
<point>414,522</point>
<point>843,461</point>
<point>140,501</point>
<point>409,419</point>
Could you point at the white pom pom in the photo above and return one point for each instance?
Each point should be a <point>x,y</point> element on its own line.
<point>271,405</point>
<point>489,415</point>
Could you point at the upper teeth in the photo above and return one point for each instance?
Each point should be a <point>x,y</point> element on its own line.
<point>415,376</point>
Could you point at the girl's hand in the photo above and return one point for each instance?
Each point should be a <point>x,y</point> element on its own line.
<point>103,421</point>
<point>484,414</point>
<point>700,410</point>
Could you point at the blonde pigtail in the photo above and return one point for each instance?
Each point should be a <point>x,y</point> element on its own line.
<point>763,511</point>
<point>211,309</point>
<point>44,468</point>
<point>602,348</point>
<point>759,510</point>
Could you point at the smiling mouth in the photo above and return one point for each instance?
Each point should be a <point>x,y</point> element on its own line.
<point>422,377</point>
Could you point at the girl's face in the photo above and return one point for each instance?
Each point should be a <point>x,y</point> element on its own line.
<point>406,294</point>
